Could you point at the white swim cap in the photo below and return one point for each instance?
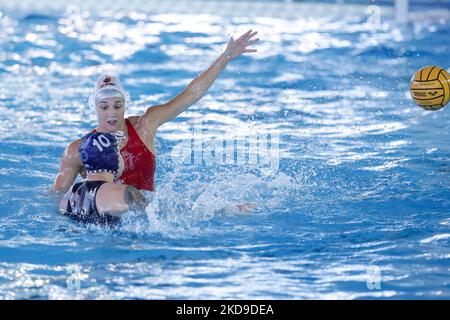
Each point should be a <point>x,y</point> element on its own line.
<point>108,86</point>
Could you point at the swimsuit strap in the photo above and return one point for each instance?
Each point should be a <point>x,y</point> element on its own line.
<point>131,130</point>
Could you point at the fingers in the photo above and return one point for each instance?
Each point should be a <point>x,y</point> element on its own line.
<point>248,42</point>
<point>245,34</point>
<point>240,45</point>
<point>253,41</point>
<point>249,34</point>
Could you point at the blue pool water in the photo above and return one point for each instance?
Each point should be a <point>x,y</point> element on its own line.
<point>358,206</point>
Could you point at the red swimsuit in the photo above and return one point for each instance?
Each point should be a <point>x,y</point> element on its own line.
<point>140,163</point>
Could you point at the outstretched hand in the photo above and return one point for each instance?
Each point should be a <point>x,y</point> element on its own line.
<point>239,46</point>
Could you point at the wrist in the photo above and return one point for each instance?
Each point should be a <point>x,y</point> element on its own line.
<point>226,56</point>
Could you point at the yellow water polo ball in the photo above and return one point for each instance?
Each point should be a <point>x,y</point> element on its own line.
<point>430,87</point>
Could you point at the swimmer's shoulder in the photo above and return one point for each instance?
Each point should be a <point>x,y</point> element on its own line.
<point>74,146</point>
<point>147,136</point>
<point>141,124</point>
<point>134,120</point>
<point>72,151</point>
<point>137,124</point>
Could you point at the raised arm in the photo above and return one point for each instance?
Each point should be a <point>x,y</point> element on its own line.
<point>157,115</point>
<point>69,168</point>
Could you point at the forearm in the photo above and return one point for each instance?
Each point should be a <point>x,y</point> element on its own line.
<point>61,184</point>
<point>200,85</point>
<point>157,115</point>
<point>197,88</point>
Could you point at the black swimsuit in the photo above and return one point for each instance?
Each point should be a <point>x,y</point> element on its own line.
<point>81,204</point>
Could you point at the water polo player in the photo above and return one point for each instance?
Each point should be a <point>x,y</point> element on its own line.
<point>138,148</point>
<point>97,199</point>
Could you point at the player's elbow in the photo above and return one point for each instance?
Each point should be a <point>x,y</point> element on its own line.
<point>58,187</point>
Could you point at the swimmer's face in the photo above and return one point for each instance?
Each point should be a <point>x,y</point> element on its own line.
<point>110,113</point>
